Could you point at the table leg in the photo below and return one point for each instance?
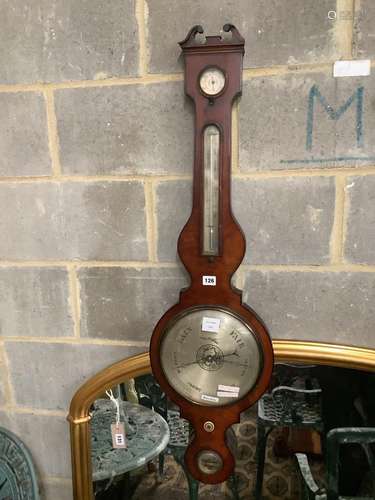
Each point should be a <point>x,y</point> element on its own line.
<point>161,464</point>
<point>125,492</point>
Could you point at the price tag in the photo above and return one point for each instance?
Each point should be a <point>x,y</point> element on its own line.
<point>227,391</point>
<point>228,388</point>
<point>224,394</point>
<point>205,397</point>
<point>210,325</point>
<point>209,280</point>
<point>118,435</point>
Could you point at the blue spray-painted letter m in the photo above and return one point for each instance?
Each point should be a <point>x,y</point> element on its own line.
<point>334,115</point>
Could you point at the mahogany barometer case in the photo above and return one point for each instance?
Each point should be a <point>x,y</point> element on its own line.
<point>211,353</point>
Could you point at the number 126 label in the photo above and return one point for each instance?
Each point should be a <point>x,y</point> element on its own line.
<point>209,280</point>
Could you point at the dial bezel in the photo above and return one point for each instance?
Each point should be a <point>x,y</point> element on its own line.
<point>209,307</point>
<point>221,91</point>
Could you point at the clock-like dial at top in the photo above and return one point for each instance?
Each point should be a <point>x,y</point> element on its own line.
<point>210,356</point>
<point>212,81</point>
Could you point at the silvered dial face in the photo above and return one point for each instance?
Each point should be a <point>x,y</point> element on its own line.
<point>212,81</point>
<point>210,356</point>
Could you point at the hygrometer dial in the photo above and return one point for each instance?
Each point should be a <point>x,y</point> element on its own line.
<point>210,356</point>
<point>212,81</point>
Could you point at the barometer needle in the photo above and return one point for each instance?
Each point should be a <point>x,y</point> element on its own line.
<point>3,483</point>
<point>235,353</point>
<point>237,364</point>
<point>209,359</point>
<point>187,364</point>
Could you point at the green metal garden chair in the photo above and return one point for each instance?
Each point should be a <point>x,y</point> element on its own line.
<point>151,395</point>
<point>336,438</point>
<point>293,402</point>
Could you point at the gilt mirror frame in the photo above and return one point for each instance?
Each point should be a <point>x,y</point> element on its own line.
<point>344,356</point>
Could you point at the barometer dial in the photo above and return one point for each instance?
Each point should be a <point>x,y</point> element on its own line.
<point>210,356</point>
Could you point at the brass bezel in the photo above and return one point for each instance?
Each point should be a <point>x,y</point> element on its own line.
<point>360,358</point>
<point>222,309</point>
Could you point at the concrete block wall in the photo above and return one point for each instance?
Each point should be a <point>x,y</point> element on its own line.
<point>96,141</point>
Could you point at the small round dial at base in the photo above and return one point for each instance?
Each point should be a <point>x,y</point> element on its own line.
<point>210,356</point>
<point>209,462</point>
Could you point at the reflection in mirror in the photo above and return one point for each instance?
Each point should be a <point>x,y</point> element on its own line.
<point>125,435</point>
<point>303,404</point>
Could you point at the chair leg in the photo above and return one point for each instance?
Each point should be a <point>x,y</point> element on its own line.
<point>233,486</point>
<point>193,484</point>
<point>262,435</point>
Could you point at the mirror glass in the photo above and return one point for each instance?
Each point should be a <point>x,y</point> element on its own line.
<point>304,402</point>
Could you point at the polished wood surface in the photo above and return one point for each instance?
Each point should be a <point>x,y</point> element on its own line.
<point>226,55</point>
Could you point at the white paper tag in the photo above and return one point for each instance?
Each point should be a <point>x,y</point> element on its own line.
<point>118,435</point>
<point>210,325</point>
<point>205,397</point>
<point>228,388</point>
<point>224,394</point>
<point>352,68</point>
<point>209,280</point>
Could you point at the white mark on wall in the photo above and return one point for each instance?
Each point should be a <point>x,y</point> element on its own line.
<point>40,206</point>
<point>314,215</point>
<point>263,235</point>
<point>110,227</point>
<point>292,316</point>
<point>101,75</point>
<point>332,15</point>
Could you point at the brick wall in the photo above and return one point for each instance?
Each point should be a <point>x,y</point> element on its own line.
<point>96,156</point>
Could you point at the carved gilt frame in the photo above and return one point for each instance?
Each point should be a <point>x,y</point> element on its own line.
<point>360,358</point>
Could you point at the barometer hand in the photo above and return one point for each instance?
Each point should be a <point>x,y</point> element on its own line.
<point>235,353</point>
<point>207,359</point>
<point>234,363</point>
<point>217,357</point>
<point>187,364</point>
<point>3,483</point>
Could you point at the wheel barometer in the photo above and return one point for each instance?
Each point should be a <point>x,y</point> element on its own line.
<point>210,353</point>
